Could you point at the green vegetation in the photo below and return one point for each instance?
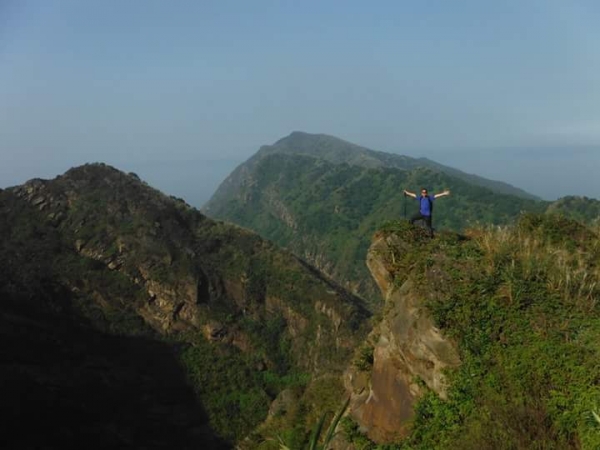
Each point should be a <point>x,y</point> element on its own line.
<point>315,438</point>
<point>102,250</point>
<point>232,390</point>
<point>82,252</point>
<point>338,151</point>
<point>71,339</point>
<point>301,427</point>
<point>521,302</point>
<point>583,209</point>
<point>596,417</point>
<point>318,440</point>
<point>364,359</point>
<point>323,198</point>
<point>327,213</point>
<point>352,434</point>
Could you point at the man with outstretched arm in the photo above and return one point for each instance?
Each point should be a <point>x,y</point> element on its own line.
<point>425,206</point>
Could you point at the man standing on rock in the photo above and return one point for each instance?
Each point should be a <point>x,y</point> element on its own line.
<point>425,206</point>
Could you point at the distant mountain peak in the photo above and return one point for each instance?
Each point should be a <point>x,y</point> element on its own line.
<point>294,135</point>
<point>96,170</point>
<point>312,142</point>
<point>306,135</point>
<point>340,151</point>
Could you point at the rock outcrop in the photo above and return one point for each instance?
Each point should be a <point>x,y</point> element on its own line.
<point>184,266</point>
<point>409,353</point>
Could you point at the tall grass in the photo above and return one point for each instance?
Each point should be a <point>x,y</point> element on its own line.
<point>569,266</point>
<point>318,440</point>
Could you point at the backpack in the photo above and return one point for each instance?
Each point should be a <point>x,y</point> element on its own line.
<point>430,204</point>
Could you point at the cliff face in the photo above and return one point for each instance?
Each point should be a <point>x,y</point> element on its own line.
<point>409,352</point>
<point>519,303</point>
<point>90,216</point>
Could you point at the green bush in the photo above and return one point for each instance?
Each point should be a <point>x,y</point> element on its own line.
<point>521,304</point>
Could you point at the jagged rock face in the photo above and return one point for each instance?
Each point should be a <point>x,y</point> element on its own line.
<point>170,306</point>
<point>187,265</point>
<point>407,348</point>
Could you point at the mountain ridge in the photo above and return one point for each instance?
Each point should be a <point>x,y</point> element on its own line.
<point>325,212</point>
<point>226,303</point>
<point>119,303</point>
<point>322,197</point>
<point>337,151</point>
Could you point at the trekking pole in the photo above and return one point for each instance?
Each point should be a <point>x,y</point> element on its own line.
<point>404,205</point>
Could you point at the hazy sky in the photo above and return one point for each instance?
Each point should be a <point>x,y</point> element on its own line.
<point>182,91</point>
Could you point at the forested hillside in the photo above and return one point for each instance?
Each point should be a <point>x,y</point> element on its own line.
<point>323,198</point>
<point>326,213</point>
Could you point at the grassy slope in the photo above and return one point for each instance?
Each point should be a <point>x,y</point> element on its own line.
<point>522,305</point>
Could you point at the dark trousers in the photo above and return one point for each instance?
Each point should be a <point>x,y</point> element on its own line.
<point>426,219</point>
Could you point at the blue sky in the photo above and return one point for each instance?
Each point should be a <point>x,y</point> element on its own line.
<point>182,91</point>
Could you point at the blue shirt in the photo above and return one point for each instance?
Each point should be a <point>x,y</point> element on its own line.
<point>424,206</point>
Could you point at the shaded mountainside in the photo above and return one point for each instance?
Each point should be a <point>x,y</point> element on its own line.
<point>74,372</point>
<point>117,293</point>
<point>488,340</point>
<point>64,384</point>
<point>323,199</point>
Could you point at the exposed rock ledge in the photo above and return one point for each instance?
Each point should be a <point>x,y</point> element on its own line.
<point>407,348</point>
